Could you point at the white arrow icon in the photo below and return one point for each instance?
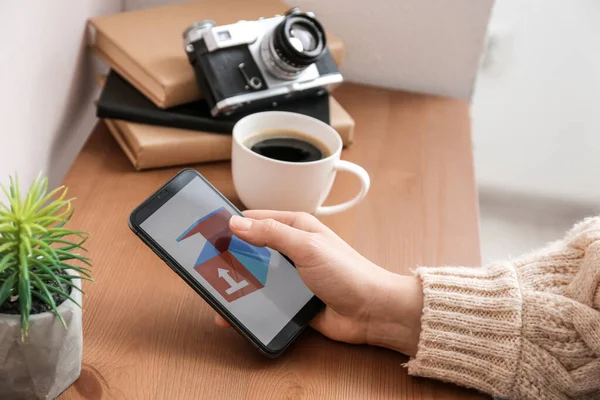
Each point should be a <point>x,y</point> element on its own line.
<point>234,286</point>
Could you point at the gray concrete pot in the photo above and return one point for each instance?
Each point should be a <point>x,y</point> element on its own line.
<point>49,360</point>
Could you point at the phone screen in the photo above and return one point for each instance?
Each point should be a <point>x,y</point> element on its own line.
<point>257,285</point>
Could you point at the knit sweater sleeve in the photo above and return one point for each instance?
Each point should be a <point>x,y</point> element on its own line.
<point>524,329</point>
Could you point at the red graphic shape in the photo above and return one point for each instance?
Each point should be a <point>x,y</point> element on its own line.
<point>236,272</point>
<point>215,228</point>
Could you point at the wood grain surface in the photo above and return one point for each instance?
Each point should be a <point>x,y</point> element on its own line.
<point>147,335</point>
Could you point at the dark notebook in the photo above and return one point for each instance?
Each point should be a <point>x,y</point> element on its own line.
<point>120,100</point>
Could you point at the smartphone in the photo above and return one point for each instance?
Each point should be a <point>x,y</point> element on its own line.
<point>256,289</point>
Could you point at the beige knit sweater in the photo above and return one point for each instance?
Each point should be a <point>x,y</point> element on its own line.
<point>526,329</point>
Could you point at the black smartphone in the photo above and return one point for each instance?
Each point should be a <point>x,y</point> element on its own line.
<point>256,289</point>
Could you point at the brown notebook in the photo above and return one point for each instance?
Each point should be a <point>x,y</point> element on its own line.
<point>150,146</point>
<point>146,46</point>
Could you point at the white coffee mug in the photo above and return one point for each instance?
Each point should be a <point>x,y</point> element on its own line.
<point>266,183</point>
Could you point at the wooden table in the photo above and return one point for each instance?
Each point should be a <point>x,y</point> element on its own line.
<point>147,335</point>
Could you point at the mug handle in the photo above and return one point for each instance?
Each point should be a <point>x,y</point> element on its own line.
<point>365,182</point>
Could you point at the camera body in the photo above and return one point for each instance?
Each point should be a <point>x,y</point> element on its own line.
<point>257,64</point>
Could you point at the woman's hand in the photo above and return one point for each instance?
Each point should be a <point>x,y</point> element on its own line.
<point>365,303</point>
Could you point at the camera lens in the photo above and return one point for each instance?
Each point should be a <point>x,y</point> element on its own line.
<point>301,38</point>
<point>293,45</point>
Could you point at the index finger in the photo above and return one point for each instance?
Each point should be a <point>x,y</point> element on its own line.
<point>299,220</point>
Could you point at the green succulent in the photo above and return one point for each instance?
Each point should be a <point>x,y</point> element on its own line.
<point>37,251</point>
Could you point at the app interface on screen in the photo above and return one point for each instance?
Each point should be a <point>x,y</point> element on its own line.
<point>256,284</point>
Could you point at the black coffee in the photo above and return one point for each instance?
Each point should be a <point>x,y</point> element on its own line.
<point>288,146</point>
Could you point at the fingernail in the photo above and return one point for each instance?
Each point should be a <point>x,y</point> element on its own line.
<point>240,223</point>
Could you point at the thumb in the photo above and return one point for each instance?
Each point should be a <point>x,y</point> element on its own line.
<point>268,232</point>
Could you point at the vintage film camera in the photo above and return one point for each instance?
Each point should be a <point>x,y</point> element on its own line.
<point>256,64</point>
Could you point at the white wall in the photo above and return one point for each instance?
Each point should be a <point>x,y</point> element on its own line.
<point>428,46</point>
<point>536,107</point>
<point>47,81</point>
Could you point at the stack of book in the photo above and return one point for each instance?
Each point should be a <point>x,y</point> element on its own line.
<point>150,99</point>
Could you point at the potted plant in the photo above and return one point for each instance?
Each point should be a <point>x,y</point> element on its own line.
<point>40,293</point>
